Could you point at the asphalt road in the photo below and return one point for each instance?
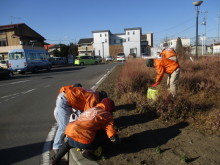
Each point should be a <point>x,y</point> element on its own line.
<point>26,109</point>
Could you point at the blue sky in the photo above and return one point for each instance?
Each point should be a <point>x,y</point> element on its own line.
<point>65,21</point>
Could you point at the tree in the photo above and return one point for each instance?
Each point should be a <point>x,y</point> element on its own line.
<point>73,49</point>
<point>64,50</point>
<point>179,48</point>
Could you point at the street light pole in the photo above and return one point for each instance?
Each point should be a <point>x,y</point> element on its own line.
<point>103,52</point>
<point>197,4</point>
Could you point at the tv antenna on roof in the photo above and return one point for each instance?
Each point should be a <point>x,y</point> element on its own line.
<point>12,17</point>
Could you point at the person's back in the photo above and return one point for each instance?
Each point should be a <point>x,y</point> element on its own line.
<point>89,122</point>
<point>169,53</point>
<point>164,65</point>
<point>81,99</point>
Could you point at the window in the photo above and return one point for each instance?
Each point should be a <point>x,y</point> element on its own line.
<point>128,33</point>
<point>105,40</point>
<point>133,32</point>
<point>128,38</point>
<point>3,43</point>
<point>100,35</point>
<point>16,56</point>
<point>105,35</point>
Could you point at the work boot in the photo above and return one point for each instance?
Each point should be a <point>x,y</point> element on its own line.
<point>88,154</point>
<point>62,151</point>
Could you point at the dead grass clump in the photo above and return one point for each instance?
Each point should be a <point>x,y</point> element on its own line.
<point>133,77</point>
<point>198,89</point>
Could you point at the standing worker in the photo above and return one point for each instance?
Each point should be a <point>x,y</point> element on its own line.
<point>74,97</point>
<point>83,133</point>
<point>165,65</point>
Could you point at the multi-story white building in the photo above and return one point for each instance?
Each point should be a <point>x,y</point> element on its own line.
<point>131,41</point>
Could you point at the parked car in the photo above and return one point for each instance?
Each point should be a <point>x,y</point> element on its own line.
<point>4,64</point>
<point>6,73</point>
<point>99,58</point>
<point>109,58</point>
<point>132,55</point>
<point>145,55</point>
<point>120,57</point>
<point>85,60</point>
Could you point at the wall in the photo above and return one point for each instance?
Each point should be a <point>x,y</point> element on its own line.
<point>132,41</point>
<point>101,41</point>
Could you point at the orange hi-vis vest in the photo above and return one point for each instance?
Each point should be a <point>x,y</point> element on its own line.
<point>79,98</point>
<point>164,65</point>
<point>84,129</point>
<point>168,52</point>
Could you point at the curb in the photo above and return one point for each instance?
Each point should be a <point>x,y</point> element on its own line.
<point>76,158</point>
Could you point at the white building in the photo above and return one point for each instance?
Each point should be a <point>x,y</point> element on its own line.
<point>131,41</point>
<point>216,49</point>
<point>172,42</point>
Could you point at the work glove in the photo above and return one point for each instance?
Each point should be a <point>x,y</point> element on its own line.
<point>154,85</point>
<point>115,139</point>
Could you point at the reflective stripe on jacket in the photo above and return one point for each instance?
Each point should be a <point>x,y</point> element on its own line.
<point>79,98</point>
<point>164,65</point>
<point>168,52</point>
<point>89,122</point>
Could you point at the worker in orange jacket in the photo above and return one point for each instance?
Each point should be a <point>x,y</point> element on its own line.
<point>82,133</point>
<point>164,65</point>
<point>168,52</point>
<point>72,97</point>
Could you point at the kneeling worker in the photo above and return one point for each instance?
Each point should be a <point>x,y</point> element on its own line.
<point>82,133</point>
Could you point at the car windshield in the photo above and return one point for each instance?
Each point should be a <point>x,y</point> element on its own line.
<point>16,55</point>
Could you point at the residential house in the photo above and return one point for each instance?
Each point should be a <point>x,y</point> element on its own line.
<point>85,47</point>
<point>216,48</point>
<point>131,41</point>
<point>18,36</point>
<point>172,42</point>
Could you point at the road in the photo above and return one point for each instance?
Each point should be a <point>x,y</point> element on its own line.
<point>26,109</point>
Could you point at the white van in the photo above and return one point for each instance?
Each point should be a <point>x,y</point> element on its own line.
<point>22,60</point>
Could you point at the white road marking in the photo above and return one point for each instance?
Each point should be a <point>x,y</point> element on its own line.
<point>17,82</point>
<point>45,157</point>
<point>27,91</point>
<point>12,96</point>
<point>9,95</point>
<point>101,79</point>
<point>47,86</point>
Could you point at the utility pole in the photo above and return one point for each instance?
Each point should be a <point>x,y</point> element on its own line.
<point>204,36</point>
<point>218,23</point>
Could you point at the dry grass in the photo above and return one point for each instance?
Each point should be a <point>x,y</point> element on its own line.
<point>199,91</point>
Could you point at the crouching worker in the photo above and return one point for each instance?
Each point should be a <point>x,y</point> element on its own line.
<point>76,97</point>
<point>165,65</point>
<point>82,132</point>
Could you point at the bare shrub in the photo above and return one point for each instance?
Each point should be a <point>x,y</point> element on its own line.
<point>133,77</point>
<point>198,89</point>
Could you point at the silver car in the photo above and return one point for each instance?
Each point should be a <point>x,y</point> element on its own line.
<point>109,58</point>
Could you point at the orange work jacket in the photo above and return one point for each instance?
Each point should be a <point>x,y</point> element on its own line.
<point>164,65</point>
<point>79,98</point>
<point>84,129</point>
<point>168,52</point>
